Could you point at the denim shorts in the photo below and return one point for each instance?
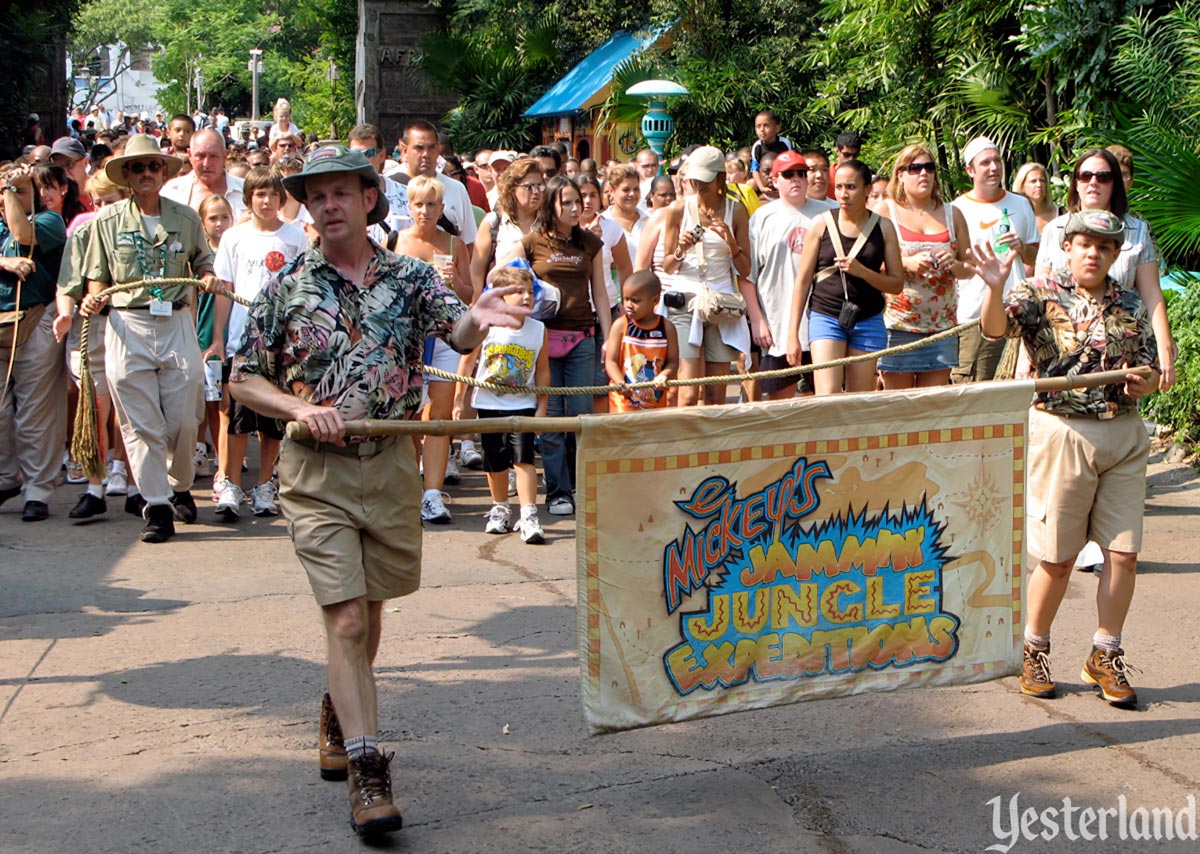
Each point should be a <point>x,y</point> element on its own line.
<point>938,356</point>
<point>866,336</point>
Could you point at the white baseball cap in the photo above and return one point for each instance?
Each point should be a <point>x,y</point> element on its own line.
<point>976,147</point>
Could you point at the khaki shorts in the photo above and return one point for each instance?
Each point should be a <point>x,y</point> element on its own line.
<point>1087,480</point>
<point>715,350</point>
<point>978,358</point>
<point>355,521</point>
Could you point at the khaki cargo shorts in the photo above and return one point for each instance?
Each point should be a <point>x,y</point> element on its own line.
<point>1087,480</point>
<point>355,521</point>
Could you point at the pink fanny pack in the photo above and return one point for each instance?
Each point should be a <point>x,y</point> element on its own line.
<point>563,341</point>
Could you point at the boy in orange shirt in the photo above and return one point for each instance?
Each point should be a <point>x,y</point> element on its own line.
<point>642,347</point>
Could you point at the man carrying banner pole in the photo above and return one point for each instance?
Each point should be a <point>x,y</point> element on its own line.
<point>1088,448</point>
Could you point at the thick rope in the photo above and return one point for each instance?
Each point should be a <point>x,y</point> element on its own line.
<point>85,444</point>
<point>593,390</point>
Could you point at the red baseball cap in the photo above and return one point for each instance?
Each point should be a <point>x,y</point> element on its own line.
<point>788,160</point>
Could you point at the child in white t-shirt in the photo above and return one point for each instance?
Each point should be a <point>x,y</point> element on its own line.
<point>517,358</point>
<point>250,255</point>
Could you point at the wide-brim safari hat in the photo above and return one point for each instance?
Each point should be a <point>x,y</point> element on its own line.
<point>330,160</point>
<point>141,147</point>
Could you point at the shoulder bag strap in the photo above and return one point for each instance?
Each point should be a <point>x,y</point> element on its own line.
<point>692,206</point>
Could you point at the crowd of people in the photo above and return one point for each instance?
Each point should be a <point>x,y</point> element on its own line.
<point>364,270</point>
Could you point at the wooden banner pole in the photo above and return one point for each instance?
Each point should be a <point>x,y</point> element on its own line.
<point>525,424</point>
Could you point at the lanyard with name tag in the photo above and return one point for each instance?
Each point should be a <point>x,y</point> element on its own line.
<point>158,306</point>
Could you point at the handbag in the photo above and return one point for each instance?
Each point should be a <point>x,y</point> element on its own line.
<point>17,326</point>
<point>713,305</point>
<point>560,342</point>
<point>849,314</point>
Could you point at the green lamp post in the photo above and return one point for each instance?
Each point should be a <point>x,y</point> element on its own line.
<point>657,124</point>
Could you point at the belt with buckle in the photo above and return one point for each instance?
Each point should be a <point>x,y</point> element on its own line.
<point>366,448</point>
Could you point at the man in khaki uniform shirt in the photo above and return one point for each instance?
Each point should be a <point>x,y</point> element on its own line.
<point>152,358</point>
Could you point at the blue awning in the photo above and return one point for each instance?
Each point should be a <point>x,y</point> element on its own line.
<point>587,79</point>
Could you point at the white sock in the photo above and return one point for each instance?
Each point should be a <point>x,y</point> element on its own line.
<point>360,745</point>
<point>96,489</point>
<point>1111,643</point>
<point>1037,641</point>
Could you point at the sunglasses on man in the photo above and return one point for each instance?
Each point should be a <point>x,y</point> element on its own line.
<point>137,167</point>
<point>793,173</point>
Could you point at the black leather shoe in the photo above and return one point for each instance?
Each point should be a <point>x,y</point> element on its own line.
<point>160,524</point>
<point>135,504</point>
<point>88,506</point>
<point>185,507</point>
<point>11,492</point>
<point>35,511</point>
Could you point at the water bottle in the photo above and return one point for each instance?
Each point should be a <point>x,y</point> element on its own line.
<point>212,380</point>
<point>1002,228</point>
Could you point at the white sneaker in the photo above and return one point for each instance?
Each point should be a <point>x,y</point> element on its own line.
<point>499,519</point>
<point>469,456</point>
<point>561,506</point>
<point>530,528</point>
<point>117,482</point>
<point>263,499</point>
<point>229,505</point>
<point>453,475</point>
<point>433,507</point>
<point>200,459</point>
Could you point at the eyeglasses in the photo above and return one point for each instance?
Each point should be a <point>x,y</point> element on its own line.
<point>917,168</point>
<point>371,152</point>
<point>532,188</point>
<point>1104,177</point>
<point>793,173</point>
<point>137,167</point>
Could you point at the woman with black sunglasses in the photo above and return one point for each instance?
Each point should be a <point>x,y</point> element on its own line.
<point>933,243</point>
<point>1096,185</point>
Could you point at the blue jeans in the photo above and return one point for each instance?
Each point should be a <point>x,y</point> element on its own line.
<point>577,368</point>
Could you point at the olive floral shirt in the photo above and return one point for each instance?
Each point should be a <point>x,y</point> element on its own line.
<point>1068,333</point>
<point>316,334</point>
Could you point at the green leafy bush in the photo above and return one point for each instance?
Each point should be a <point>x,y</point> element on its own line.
<point>1179,408</point>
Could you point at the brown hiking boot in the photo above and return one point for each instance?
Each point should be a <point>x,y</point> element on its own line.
<point>333,749</point>
<point>371,807</point>
<point>1035,673</point>
<point>1107,671</point>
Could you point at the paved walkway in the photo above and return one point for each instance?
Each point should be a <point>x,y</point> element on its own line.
<point>165,699</point>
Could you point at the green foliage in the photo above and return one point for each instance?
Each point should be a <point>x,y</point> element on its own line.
<point>297,37</point>
<point>497,77</point>
<point>1179,408</point>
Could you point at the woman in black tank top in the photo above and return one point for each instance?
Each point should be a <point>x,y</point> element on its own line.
<point>874,270</point>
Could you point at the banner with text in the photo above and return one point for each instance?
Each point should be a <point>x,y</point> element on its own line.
<point>739,557</point>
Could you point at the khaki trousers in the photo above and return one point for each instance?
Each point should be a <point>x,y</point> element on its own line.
<point>156,380</point>
<point>33,414</point>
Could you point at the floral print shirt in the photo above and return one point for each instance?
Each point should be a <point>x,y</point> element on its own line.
<point>1068,333</point>
<point>927,304</point>
<point>319,336</point>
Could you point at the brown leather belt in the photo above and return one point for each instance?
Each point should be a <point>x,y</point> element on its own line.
<point>366,448</point>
